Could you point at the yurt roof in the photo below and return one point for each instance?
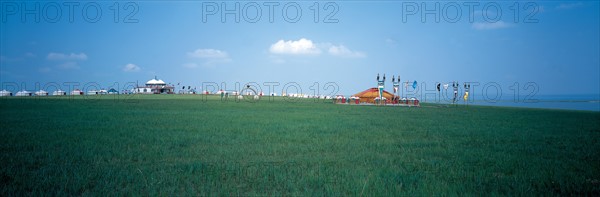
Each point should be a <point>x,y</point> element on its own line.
<point>156,82</point>
<point>41,91</point>
<point>23,92</point>
<point>152,81</point>
<point>373,92</point>
<point>5,92</point>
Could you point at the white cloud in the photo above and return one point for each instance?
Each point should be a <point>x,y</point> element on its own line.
<point>302,46</point>
<point>568,6</point>
<point>68,65</point>
<point>390,41</point>
<point>10,59</point>
<point>61,56</point>
<point>45,69</point>
<point>131,68</point>
<point>490,26</point>
<point>190,65</point>
<point>208,53</point>
<point>342,51</point>
<point>276,59</point>
<point>211,63</point>
<point>30,55</point>
<point>210,58</point>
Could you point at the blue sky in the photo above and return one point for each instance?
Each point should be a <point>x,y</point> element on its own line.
<point>557,47</point>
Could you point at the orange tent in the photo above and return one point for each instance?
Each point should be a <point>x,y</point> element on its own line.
<point>369,95</point>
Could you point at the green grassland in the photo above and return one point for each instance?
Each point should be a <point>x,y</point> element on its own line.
<point>194,145</point>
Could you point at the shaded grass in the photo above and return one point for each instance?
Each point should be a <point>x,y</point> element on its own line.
<point>185,144</point>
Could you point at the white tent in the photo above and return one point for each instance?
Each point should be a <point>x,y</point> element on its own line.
<point>76,92</point>
<point>5,93</point>
<point>103,91</point>
<point>23,93</point>
<point>113,91</point>
<point>93,92</point>
<point>59,93</point>
<point>41,93</point>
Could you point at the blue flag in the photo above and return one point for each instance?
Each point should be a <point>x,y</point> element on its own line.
<point>415,84</point>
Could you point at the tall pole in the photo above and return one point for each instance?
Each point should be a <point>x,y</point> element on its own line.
<point>380,87</point>
<point>396,85</point>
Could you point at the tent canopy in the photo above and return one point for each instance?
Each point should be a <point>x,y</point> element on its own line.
<point>369,95</point>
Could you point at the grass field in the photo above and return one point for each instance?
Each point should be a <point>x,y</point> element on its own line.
<point>184,145</point>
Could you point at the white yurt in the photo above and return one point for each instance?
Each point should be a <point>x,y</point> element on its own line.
<point>23,93</point>
<point>113,91</point>
<point>41,93</point>
<point>76,92</point>
<point>59,93</point>
<point>103,91</point>
<point>5,93</point>
<point>92,92</point>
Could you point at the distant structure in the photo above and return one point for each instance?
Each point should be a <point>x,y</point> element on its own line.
<point>5,93</point>
<point>113,91</point>
<point>373,95</point>
<point>396,86</point>
<point>154,86</point>
<point>59,93</point>
<point>380,87</point>
<point>41,93</point>
<point>24,93</point>
<point>77,92</point>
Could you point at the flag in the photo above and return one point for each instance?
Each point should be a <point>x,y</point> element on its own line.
<point>445,86</point>
<point>414,85</point>
<point>466,96</point>
<point>438,87</point>
<point>395,89</point>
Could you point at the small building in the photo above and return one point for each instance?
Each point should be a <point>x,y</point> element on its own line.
<point>77,92</point>
<point>93,92</point>
<point>103,91</point>
<point>59,93</point>
<point>5,93</point>
<point>41,93</point>
<point>154,86</point>
<point>113,91</point>
<point>372,94</point>
<point>23,93</point>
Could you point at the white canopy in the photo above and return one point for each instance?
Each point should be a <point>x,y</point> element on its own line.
<point>59,93</point>
<point>23,93</point>
<point>76,92</point>
<point>41,93</point>
<point>155,82</point>
<point>5,93</point>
